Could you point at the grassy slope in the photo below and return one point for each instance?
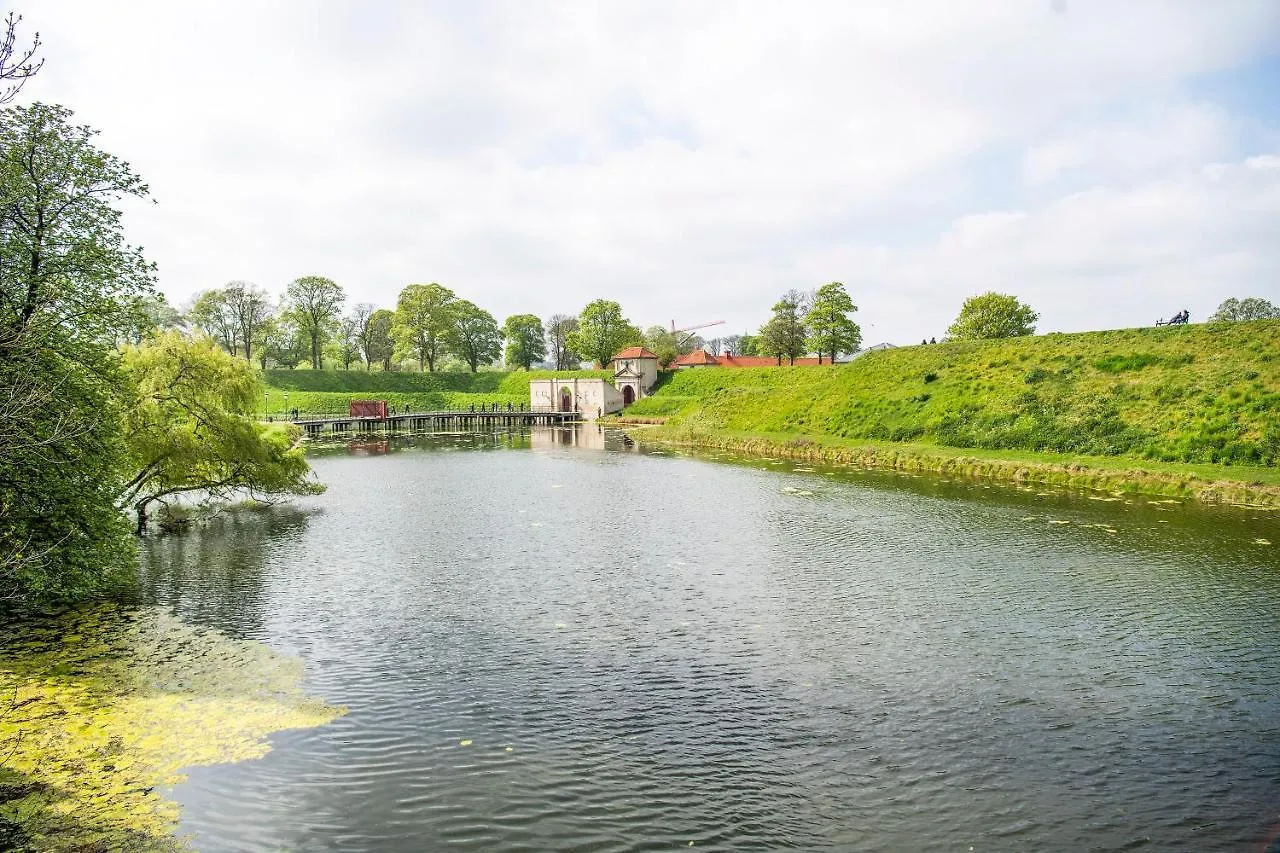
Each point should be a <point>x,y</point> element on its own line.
<point>330,391</point>
<point>1197,394</point>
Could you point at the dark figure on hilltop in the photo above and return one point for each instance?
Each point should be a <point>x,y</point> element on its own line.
<point>1179,319</point>
<point>933,340</point>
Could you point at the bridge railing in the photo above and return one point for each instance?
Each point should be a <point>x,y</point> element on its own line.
<point>290,416</point>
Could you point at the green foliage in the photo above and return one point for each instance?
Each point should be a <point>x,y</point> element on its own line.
<point>69,288</point>
<point>1239,310</point>
<point>63,260</point>
<point>473,336</point>
<point>423,321</point>
<point>602,331</point>
<point>783,337</point>
<point>525,340</point>
<point>830,329</point>
<point>191,426</point>
<point>993,315</point>
<point>105,707</point>
<point>559,327</point>
<point>379,346</point>
<point>61,458</point>
<point>314,305</point>
<point>662,343</point>
<point>1177,395</point>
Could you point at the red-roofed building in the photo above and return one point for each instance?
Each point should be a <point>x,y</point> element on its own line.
<point>702,358</point>
<point>635,370</point>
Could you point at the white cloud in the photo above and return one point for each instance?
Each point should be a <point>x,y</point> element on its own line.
<point>691,160</point>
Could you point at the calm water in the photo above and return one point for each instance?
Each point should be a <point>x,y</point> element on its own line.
<point>646,652</point>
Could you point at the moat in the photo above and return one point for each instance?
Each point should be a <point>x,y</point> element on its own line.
<point>557,642</point>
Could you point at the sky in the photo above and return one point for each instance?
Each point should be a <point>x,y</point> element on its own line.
<point>1107,163</point>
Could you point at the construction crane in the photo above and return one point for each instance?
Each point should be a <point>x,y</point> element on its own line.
<point>676,331</point>
<point>689,329</point>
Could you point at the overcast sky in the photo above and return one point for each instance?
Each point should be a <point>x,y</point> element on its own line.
<point>1108,162</point>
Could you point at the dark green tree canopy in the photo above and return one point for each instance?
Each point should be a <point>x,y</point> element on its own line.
<point>783,337</point>
<point>993,315</point>
<point>830,329</point>
<point>1240,310</point>
<point>315,303</point>
<point>379,345</point>
<point>64,263</point>
<point>602,331</point>
<point>473,336</point>
<point>70,288</point>
<point>424,319</point>
<point>526,341</point>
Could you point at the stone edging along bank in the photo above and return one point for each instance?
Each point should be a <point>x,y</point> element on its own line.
<point>954,462</point>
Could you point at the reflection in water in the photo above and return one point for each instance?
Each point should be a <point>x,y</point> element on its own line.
<point>567,649</point>
<point>218,575</point>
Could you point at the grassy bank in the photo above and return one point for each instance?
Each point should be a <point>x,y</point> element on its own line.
<point>331,391</point>
<point>1188,412</point>
<point>1195,394</point>
<point>1239,485</point>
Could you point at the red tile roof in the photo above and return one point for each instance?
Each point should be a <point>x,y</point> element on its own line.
<point>634,352</point>
<point>702,357</point>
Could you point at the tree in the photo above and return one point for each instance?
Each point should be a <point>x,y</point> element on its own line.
<point>148,314</point>
<point>602,331</point>
<point>748,345</point>
<point>1239,310</point>
<point>212,314</point>
<point>559,327</point>
<point>284,343</point>
<point>993,315</point>
<point>16,67</point>
<point>731,345</point>
<point>314,305</point>
<point>63,260</point>
<point>348,341</point>
<point>525,340</point>
<point>361,314</point>
<point>784,335</point>
<point>380,346</point>
<point>424,318</point>
<point>250,308</point>
<point>474,336</point>
<point>830,329</point>
<point>69,287</point>
<point>191,426</point>
<point>661,343</point>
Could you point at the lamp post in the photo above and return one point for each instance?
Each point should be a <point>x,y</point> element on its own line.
<point>264,402</point>
<point>286,405</point>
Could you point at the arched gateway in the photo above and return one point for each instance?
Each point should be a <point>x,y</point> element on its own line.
<point>566,400</point>
<point>628,395</point>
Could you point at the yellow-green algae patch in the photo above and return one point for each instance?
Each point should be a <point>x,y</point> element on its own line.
<point>101,709</point>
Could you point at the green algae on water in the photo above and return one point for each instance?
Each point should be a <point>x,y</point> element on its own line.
<point>101,709</point>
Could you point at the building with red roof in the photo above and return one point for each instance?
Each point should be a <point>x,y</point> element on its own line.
<point>635,372</point>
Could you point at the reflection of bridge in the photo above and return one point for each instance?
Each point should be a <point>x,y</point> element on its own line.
<point>432,421</point>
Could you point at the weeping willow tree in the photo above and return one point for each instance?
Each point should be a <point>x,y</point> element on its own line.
<point>191,429</point>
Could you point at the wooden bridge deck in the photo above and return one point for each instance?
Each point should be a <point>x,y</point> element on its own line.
<point>432,421</point>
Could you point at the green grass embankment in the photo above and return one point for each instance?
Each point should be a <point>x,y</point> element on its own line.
<point>331,391</point>
<point>1110,407</point>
